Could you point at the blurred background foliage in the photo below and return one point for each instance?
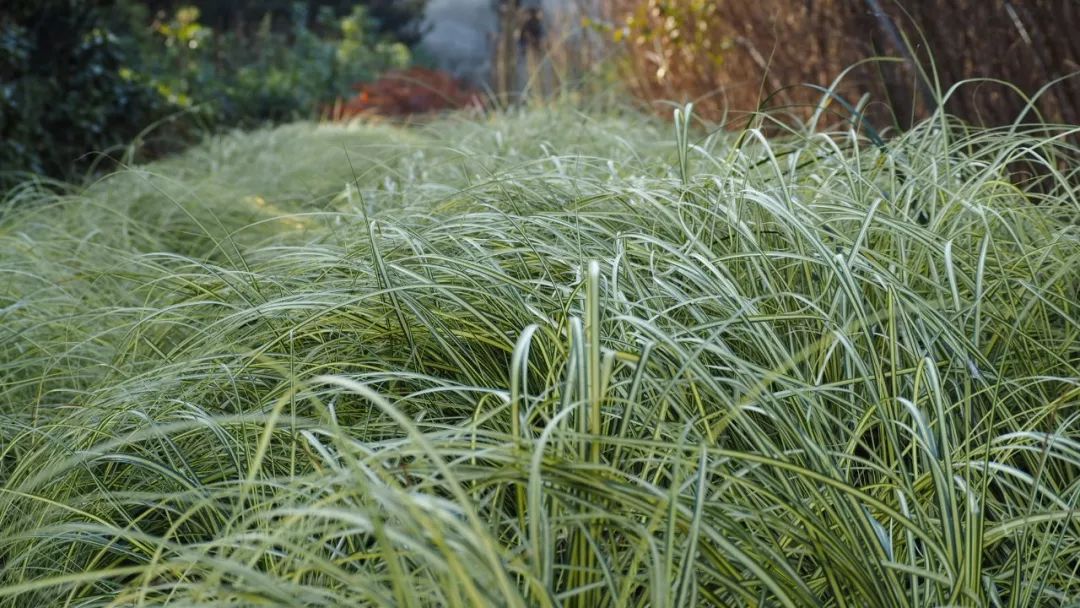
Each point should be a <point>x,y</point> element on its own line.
<point>122,76</point>
<point>735,57</point>
<point>97,75</point>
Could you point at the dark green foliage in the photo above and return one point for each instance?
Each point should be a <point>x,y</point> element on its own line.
<point>272,73</point>
<point>79,77</point>
<point>397,20</point>
<point>63,87</point>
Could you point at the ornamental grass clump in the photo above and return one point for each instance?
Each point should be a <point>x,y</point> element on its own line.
<point>548,359</point>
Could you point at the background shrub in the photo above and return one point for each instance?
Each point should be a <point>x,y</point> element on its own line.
<point>739,55</point>
<point>79,76</point>
<point>65,88</point>
<point>398,20</point>
<point>402,93</point>
<point>273,73</point>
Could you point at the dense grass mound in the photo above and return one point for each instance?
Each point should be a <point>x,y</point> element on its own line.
<point>547,360</point>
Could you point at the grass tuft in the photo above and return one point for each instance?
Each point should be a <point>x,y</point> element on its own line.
<point>547,359</point>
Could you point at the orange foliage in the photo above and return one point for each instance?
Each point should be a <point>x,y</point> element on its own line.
<point>401,93</point>
<point>739,56</point>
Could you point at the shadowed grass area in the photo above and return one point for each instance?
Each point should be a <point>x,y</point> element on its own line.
<point>547,359</point>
